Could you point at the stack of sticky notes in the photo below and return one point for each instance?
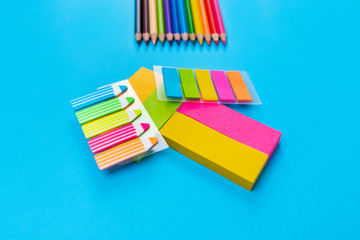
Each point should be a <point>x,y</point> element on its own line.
<point>225,141</point>
<point>229,143</point>
<point>117,126</point>
<point>222,139</point>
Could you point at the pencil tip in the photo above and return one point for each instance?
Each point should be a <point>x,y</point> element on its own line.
<point>224,42</point>
<point>170,42</point>
<point>138,42</point>
<point>193,42</point>
<point>178,42</point>
<point>130,100</point>
<point>123,88</point>
<point>162,42</point>
<point>153,140</point>
<point>208,42</point>
<point>145,126</point>
<point>186,42</point>
<point>147,42</point>
<point>200,41</point>
<point>216,42</point>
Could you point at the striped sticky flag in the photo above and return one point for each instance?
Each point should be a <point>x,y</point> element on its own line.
<point>117,136</point>
<point>102,94</point>
<point>109,122</point>
<point>124,151</point>
<point>102,109</point>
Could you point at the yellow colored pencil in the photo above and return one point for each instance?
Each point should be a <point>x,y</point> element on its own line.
<point>109,122</point>
<point>197,20</point>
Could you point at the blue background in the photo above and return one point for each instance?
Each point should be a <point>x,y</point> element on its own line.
<point>303,58</point>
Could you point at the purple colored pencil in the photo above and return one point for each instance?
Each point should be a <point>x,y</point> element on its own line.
<point>168,21</point>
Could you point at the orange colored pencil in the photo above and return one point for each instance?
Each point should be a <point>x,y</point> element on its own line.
<point>204,20</point>
<point>122,153</point>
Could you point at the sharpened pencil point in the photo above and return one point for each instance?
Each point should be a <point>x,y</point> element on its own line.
<point>224,42</point>
<point>208,42</point>
<point>186,42</point>
<point>138,42</point>
<point>145,126</point>
<point>178,42</point>
<point>137,112</point>
<point>200,41</point>
<point>170,42</point>
<point>216,42</point>
<point>153,140</point>
<point>193,42</point>
<point>130,100</point>
<point>162,42</point>
<point>147,42</point>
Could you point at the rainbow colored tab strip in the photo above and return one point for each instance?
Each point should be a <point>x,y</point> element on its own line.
<point>208,86</point>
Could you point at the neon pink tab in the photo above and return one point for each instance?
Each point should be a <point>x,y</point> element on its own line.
<point>234,125</point>
<point>222,86</point>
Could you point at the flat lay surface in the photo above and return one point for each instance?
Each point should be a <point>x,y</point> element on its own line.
<point>303,60</point>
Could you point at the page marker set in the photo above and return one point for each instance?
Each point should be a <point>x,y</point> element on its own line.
<point>130,119</point>
<point>118,128</point>
<point>204,86</point>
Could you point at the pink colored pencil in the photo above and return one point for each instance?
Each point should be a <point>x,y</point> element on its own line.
<point>117,136</point>
<point>218,20</point>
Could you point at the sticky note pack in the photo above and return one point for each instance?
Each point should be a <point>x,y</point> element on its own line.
<point>143,83</point>
<point>205,86</point>
<point>225,141</point>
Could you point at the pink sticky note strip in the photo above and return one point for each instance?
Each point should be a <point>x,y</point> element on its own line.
<point>234,125</point>
<point>222,86</point>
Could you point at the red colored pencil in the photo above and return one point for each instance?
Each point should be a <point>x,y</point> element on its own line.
<point>218,20</point>
<point>211,20</point>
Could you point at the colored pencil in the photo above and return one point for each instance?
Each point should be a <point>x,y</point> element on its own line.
<point>204,20</point>
<point>117,136</point>
<point>160,20</point>
<point>197,21</point>
<point>153,21</point>
<point>183,22</point>
<point>100,95</point>
<point>219,21</point>
<point>125,151</point>
<point>168,21</point>
<point>145,21</point>
<point>138,34</point>
<point>211,21</point>
<point>109,122</point>
<point>175,21</point>
<point>190,21</point>
<point>102,109</point>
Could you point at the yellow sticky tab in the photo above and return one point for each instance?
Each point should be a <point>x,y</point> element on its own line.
<point>229,158</point>
<point>143,82</point>
<point>206,86</point>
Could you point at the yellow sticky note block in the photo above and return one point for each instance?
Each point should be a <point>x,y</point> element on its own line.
<point>143,82</point>
<point>206,86</point>
<point>229,158</point>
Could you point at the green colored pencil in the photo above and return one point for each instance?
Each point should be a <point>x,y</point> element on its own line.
<point>190,21</point>
<point>102,109</point>
<point>160,20</point>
